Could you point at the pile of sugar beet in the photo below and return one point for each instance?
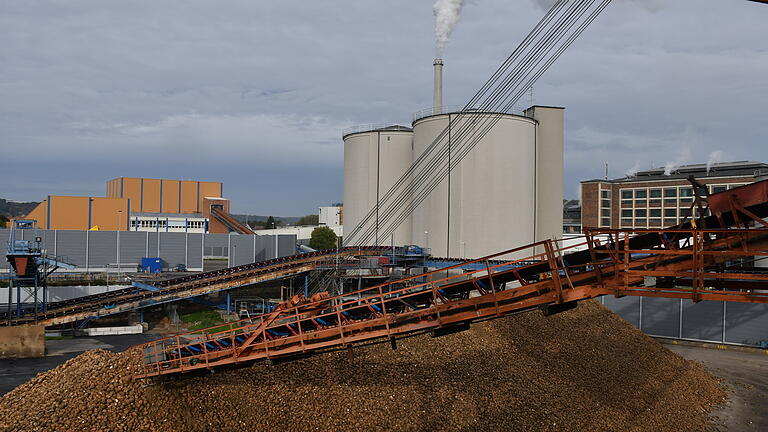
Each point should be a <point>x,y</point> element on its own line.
<point>581,370</point>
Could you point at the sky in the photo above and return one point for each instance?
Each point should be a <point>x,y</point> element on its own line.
<point>255,94</point>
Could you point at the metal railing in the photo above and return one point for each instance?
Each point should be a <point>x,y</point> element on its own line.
<point>450,109</point>
<point>328,322</point>
<point>554,279</point>
<point>372,127</point>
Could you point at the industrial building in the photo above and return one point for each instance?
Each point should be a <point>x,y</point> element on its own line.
<point>331,215</point>
<point>143,204</point>
<point>506,190</point>
<point>82,213</point>
<point>572,217</point>
<point>659,197</point>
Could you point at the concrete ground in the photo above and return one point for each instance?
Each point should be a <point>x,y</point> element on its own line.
<point>14,372</point>
<point>746,374</point>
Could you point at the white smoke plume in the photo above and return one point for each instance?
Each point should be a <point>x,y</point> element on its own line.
<point>633,171</point>
<point>685,144</point>
<point>670,168</point>
<point>714,158</point>
<point>447,14</point>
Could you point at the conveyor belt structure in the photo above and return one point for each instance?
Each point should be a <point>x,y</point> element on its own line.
<point>551,278</point>
<point>144,295</point>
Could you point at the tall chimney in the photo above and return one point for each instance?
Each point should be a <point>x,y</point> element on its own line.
<point>437,102</point>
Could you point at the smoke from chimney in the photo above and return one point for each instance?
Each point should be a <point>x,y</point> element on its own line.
<point>714,158</point>
<point>447,13</point>
<point>632,172</point>
<point>437,101</point>
<point>670,168</point>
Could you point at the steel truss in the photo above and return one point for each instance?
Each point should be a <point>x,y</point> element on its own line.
<point>552,278</point>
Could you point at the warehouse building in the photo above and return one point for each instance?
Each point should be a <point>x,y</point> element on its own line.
<point>143,204</point>
<point>659,197</point>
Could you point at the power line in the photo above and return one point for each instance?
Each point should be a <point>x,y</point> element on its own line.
<point>538,47</point>
<point>494,118</point>
<point>552,36</point>
<point>406,177</point>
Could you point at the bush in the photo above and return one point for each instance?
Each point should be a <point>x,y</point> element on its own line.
<point>323,238</point>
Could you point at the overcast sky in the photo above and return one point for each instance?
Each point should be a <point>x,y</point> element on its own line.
<point>255,94</point>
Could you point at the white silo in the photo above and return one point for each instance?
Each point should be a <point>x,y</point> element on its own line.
<point>486,204</point>
<point>505,193</point>
<point>374,159</point>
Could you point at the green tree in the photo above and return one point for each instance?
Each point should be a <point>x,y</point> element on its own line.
<point>270,223</point>
<point>3,221</point>
<point>312,219</point>
<point>322,238</point>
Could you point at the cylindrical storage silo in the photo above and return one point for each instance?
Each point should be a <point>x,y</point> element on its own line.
<point>487,203</point>
<point>374,159</point>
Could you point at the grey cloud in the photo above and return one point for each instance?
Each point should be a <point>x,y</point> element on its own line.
<point>256,94</point>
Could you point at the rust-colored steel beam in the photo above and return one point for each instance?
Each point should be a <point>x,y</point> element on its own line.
<point>150,298</point>
<point>191,286</point>
<point>744,196</point>
<point>388,310</point>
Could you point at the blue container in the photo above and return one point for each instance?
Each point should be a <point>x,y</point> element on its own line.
<point>152,265</point>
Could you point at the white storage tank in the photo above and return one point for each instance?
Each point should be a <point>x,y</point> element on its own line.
<point>487,202</point>
<point>374,159</point>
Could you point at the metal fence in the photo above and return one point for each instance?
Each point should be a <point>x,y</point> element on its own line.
<point>707,321</point>
<point>98,251</point>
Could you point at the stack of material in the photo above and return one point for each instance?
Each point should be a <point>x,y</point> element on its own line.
<point>585,369</point>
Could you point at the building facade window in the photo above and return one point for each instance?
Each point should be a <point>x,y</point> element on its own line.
<point>654,200</point>
<point>605,208</point>
<point>654,207</point>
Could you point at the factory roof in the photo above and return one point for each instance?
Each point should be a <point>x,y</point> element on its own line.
<point>723,169</point>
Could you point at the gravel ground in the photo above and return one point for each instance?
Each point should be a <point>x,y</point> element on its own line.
<point>584,370</point>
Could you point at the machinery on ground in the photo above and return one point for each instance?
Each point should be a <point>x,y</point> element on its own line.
<point>30,267</point>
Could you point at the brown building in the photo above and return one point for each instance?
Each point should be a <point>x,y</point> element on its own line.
<point>655,198</point>
<point>141,204</point>
<point>161,198</point>
<point>164,196</point>
<point>81,213</point>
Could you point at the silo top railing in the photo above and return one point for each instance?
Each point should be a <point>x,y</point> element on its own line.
<point>390,126</point>
<point>428,112</point>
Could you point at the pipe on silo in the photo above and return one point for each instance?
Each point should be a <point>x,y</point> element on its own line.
<point>437,102</point>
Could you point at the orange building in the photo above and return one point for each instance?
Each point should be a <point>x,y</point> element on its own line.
<point>164,196</point>
<point>82,213</point>
<point>143,204</point>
